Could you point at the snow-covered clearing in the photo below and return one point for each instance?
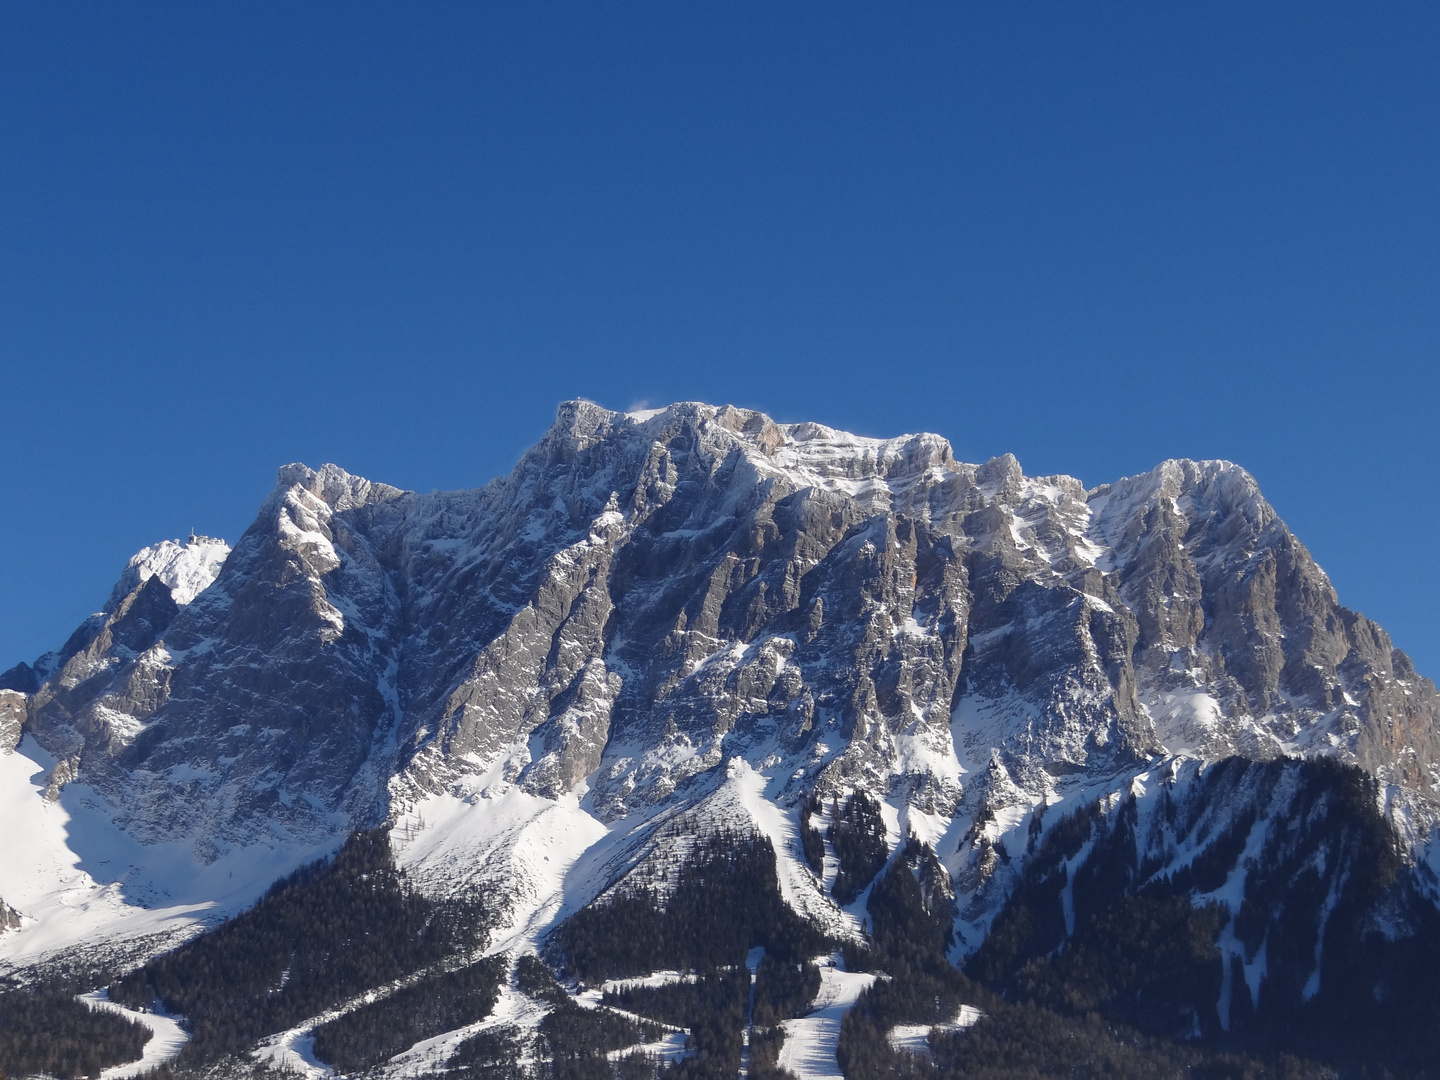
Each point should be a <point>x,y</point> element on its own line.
<point>166,1036</point>
<point>671,1048</point>
<point>915,1038</point>
<point>294,1052</point>
<point>810,1042</point>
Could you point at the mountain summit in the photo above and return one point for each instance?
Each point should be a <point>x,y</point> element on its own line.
<point>693,626</point>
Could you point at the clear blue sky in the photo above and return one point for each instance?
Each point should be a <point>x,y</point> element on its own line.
<point>393,237</point>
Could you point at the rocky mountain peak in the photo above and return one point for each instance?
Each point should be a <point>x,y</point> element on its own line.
<point>699,611</point>
<point>187,568</point>
<point>332,485</point>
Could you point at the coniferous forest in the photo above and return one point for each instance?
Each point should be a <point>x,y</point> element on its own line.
<point>436,1003</point>
<point>322,935</point>
<point>1132,992</point>
<point>46,1030</point>
<point>726,902</point>
<point>857,835</point>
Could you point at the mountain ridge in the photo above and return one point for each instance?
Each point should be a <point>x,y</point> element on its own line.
<point>681,623</point>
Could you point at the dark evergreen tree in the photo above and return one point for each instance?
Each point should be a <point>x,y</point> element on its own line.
<point>783,989</point>
<point>812,841</point>
<point>857,833</point>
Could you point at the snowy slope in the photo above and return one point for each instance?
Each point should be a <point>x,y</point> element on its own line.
<point>77,879</point>
<point>810,1042</point>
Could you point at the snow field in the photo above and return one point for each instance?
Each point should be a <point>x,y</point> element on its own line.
<point>187,569</point>
<point>522,842</point>
<point>671,1048</point>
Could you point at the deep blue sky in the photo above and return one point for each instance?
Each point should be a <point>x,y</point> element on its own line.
<point>393,237</point>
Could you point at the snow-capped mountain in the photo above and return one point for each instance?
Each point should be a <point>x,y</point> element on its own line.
<point>695,622</point>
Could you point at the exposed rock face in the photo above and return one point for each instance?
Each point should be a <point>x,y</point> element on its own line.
<point>1228,602</point>
<point>12,719</point>
<point>647,597</point>
<point>21,678</point>
<point>702,580</point>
